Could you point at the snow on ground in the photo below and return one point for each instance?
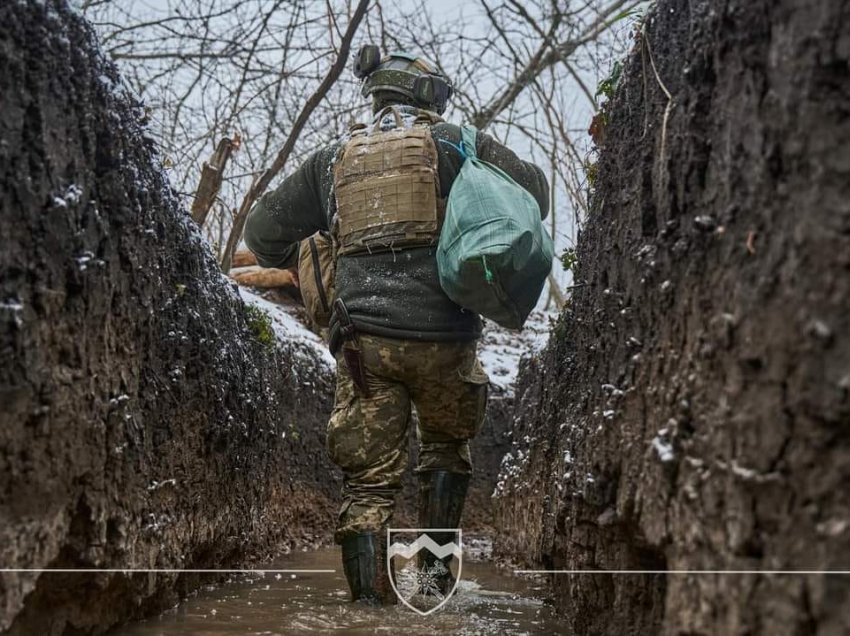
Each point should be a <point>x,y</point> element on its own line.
<point>501,349</point>
<point>288,328</point>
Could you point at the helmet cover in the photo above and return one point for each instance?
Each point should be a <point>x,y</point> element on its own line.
<point>403,77</point>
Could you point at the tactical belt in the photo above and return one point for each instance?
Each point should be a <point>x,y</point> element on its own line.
<point>343,334</point>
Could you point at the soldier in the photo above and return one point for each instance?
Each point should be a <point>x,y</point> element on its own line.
<point>398,339</point>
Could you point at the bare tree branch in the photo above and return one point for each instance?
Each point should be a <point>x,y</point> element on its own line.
<point>545,56</point>
<point>261,184</point>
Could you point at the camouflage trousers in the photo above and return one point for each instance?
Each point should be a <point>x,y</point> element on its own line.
<point>368,437</point>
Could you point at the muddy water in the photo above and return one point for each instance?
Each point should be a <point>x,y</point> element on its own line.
<point>489,600</point>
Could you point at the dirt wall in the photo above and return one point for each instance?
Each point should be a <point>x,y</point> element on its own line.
<point>692,410</point>
<point>143,423</point>
<point>146,421</point>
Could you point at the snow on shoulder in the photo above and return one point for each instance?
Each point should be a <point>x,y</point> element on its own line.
<point>288,329</point>
<point>500,349</point>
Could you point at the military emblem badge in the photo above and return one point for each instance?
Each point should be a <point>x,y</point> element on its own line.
<point>424,566</point>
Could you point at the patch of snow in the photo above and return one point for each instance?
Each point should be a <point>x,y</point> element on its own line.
<point>646,250</point>
<point>156,485</point>
<point>71,197</point>
<point>288,328</point>
<point>500,350</point>
<point>14,309</point>
<point>744,473</point>
<point>663,448</point>
<point>83,260</point>
<point>73,194</point>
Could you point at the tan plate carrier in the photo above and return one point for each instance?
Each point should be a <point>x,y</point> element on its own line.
<point>388,189</point>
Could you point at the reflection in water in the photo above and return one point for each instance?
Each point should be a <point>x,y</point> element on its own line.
<point>488,601</point>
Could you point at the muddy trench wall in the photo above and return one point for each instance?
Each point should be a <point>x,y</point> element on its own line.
<point>143,422</point>
<point>692,410</point>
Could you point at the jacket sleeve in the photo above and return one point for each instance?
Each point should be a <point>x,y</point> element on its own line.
<point>299,207</point>
<point>525,173</point>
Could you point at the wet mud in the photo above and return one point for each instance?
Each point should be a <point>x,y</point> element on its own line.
<point>489,600</point>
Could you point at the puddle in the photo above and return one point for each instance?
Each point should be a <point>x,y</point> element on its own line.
<point>489,600</point>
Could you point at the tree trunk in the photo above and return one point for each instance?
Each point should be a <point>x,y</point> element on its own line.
<point>244,258</point>
<point>265,277</point>
<point>212,174</point>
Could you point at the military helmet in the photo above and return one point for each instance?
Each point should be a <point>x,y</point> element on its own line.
<point>401,77</point>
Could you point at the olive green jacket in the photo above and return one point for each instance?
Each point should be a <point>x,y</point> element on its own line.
<point>392,294</point>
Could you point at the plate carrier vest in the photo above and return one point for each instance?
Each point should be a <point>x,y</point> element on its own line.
<point>388,188</point>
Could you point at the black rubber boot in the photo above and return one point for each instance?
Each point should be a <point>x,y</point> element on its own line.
<point>441,497</point>
<point>364,562</point>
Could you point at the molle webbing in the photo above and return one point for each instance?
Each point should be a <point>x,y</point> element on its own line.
<point>387,189</point>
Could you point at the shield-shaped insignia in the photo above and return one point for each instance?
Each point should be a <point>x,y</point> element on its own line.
<point>424,565</point>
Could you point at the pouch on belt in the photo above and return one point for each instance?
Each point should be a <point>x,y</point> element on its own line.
<point>343,334</point>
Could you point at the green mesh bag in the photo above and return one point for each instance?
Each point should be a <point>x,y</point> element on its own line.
<point>494,254</point>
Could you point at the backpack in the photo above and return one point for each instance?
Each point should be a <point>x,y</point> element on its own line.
<point>316,271</point>
<point>494,254</point>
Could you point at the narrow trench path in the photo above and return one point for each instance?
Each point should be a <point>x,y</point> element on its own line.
<point>489,600</point>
